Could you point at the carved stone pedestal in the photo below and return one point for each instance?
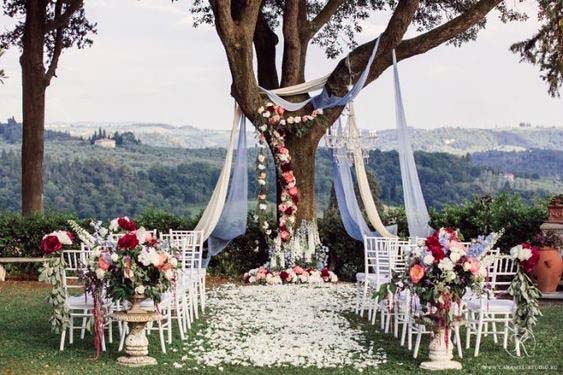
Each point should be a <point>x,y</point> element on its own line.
<point>136,342</point>
<point>441,354</point>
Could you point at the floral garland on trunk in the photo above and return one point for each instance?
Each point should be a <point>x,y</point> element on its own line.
<point>273,126</point>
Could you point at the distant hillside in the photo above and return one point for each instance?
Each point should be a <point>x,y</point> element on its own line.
<point>531,164</point>
<point>12,132</point>
<point>458,141</point>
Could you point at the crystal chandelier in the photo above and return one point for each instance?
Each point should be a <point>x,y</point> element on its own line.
<point>348,138</point>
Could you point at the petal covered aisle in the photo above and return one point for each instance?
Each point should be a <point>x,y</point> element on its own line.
<point>289,325</point>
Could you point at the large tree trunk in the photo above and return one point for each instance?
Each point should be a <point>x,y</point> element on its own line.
<point>33,108</point>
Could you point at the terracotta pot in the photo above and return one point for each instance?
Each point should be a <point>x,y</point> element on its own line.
<point>548,270</point>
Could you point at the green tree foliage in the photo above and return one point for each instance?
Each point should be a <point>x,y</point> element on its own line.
<point>519,220</point>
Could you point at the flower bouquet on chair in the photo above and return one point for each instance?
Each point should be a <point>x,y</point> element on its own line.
<point>440,270</point>
<point>126,263</point>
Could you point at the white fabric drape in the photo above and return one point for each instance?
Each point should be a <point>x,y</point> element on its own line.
<point>363,184</point>
<point>415,207</point>
<point>212,213</point>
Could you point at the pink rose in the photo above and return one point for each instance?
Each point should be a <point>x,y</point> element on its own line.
<point>280,110</point>
<point>103,263</point>
<point>472,265</point>
<point>298,270</point>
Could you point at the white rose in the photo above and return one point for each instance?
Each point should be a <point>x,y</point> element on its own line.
<point>261,181</point>
<point>333,277</point>
<point>455,256</point>
<point>290,120</point>
<point>169,274</point>
<point>449,276</point>
<point>140,289</point>
<point>263,128</point>
<point>261,109</point>
<point>428,259</point>
<point>142,234</point>
<point>303,278</point>
<point>114,257</point>
<point>252,279</point>
<point>63,237</point>
<point>297,119</point>
<point>100,273</point>
<point>173,262</point>
<point>319,111</point>
<point>266,114</point>
<point>282,122</point>
<point>263,206</point>
<point>144,259</point>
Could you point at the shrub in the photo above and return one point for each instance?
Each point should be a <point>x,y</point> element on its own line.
<point>163,221</point>
<point>483,215</point>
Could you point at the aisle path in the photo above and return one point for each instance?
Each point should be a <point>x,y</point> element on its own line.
<point>296,325</point>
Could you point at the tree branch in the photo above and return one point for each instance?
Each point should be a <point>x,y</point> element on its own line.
<point>62,19</point>
<point>58,45</point>
<point>223,20</point>
<point>324,16</point>
<point>265,41</point>
<point>295,42</point>
<point>446,31</point>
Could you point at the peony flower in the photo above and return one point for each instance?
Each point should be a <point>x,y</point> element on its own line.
<point>128,241</point>
<point>140,289</point>
<point>416,273</point>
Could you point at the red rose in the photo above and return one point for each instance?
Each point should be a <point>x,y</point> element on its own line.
<point>284,275</point>
<point>126,224</point>
<point>288,211</point>
<point>433,244</point>
<point>50,244</point>
<point>325,272</point>
<point>529,264</point>
<point>129,241</point>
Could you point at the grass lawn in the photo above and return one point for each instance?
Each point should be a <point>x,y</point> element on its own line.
<point>27,346</point>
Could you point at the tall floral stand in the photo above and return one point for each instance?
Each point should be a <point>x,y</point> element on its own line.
<point>136,342</point>
<point>441,353</point>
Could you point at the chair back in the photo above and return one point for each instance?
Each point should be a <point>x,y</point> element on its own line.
<point>74,261</point>
<point>379,256</point>
<point>403,248</point>
<point>189,247</point>
<point>504,269</point>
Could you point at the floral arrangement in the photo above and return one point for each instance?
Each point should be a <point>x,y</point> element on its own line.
<point>524,291</point>
<point>274,126</point>
<point>51,272</point>
<point>440,270</point>
<point>135,264</point>
<point>294,275</point>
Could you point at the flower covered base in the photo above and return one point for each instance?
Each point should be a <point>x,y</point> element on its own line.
<point>294,275</point>
<point>441,354</point>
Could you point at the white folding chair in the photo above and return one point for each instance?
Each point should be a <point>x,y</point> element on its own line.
<point>378,256</point>
<point>484,311</point>
<point>79,304</point>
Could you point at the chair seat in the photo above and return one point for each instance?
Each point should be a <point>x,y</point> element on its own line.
<point>492,305</point>
<point>80,302</point>
<point>360,276</point>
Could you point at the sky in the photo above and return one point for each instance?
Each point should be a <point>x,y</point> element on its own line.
<point>148,64</point>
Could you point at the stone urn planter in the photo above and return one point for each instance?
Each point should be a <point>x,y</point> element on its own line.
<point>136,342</point>
<point>548,270</point>
<point>441,353</point>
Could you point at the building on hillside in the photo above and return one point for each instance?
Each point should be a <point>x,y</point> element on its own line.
<point>509,177</point>
<point>105,143</point>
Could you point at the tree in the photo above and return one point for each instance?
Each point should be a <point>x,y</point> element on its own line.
<point>45,28</point>
<point>245,26</point>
